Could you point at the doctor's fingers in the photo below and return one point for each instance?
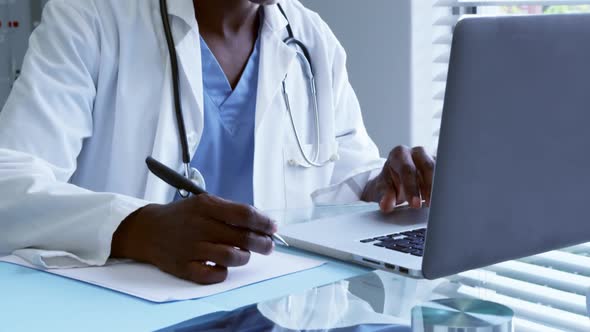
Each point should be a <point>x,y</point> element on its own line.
<point>389,199</point>
<point>220,254</point>
<point>239,215</point>
<point>401,163</point>
<point>204,274</point>
<point>241,238</point>
<point>195,271</point>
<point>425,166</point>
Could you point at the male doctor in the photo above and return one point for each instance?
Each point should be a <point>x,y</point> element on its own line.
<point>94,99</point>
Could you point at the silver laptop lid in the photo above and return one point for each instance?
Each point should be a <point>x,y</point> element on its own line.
<point>512,173</point>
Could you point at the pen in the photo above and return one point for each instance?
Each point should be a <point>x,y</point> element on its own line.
<point>180,182</point>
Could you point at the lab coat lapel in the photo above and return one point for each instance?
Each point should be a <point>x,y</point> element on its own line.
<point>166,147</point>
<point>188,49</point>
<point>275,59</point>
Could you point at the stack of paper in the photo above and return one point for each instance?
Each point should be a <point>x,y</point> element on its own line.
<point>148,282</point>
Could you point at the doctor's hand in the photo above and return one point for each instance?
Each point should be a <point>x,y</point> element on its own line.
<point>406,177</point>
<point>196,239</point>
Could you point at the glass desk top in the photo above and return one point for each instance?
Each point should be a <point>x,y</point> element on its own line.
<point>547,293</point>
<point>377,301</point>
<point>381,301</point>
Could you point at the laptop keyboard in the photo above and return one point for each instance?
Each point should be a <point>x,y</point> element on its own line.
<point>410,242</point>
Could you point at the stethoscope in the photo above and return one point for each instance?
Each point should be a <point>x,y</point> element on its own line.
<point>303,56</point>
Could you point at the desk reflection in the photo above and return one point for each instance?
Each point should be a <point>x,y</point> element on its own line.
<point>377,301</point>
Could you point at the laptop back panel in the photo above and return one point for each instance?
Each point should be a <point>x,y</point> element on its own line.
<point>512,173</point>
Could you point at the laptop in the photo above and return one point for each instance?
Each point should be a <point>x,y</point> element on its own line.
<point>512,176</point>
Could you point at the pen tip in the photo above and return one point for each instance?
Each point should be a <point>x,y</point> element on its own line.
<point>280,240</point>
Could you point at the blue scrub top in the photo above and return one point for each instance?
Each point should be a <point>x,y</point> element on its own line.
<point>225,155</point>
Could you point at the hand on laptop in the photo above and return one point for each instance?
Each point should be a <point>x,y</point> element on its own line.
<point>406,177</point>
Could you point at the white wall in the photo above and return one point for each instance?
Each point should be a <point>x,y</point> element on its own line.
<point>423,72</point>
<point>377,37</point>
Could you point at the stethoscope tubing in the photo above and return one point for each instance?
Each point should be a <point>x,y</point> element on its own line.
<point>302,52</point>
<point>175,85</point>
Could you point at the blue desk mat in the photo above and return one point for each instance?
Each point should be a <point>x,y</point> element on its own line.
<point>34,300</point>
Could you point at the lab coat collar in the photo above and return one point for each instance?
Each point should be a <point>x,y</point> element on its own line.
<point>183,9</point>
<point>188,47</point>
<point>273,19</point>
<point>275,59</point>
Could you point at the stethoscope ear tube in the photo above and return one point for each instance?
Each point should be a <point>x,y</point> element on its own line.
<point>175,82</point>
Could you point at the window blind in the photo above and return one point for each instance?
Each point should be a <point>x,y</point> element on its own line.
<point>448,12</point>
<point>547,292</point>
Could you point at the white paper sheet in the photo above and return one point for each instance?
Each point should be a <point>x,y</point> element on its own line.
<point>149,283</point>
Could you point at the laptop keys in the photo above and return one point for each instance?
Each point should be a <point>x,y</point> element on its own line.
<point>418,253</point>
<point>396,236</point>
<point>405,250</point>
<point>410,242</point>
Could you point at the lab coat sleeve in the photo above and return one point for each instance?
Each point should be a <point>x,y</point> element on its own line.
<point>359,159</point>
<point>48,114</point>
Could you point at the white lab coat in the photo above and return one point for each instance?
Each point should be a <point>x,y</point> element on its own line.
<point>94,99</point>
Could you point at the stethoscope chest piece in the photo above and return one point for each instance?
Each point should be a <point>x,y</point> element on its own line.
<point>195,176</point>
